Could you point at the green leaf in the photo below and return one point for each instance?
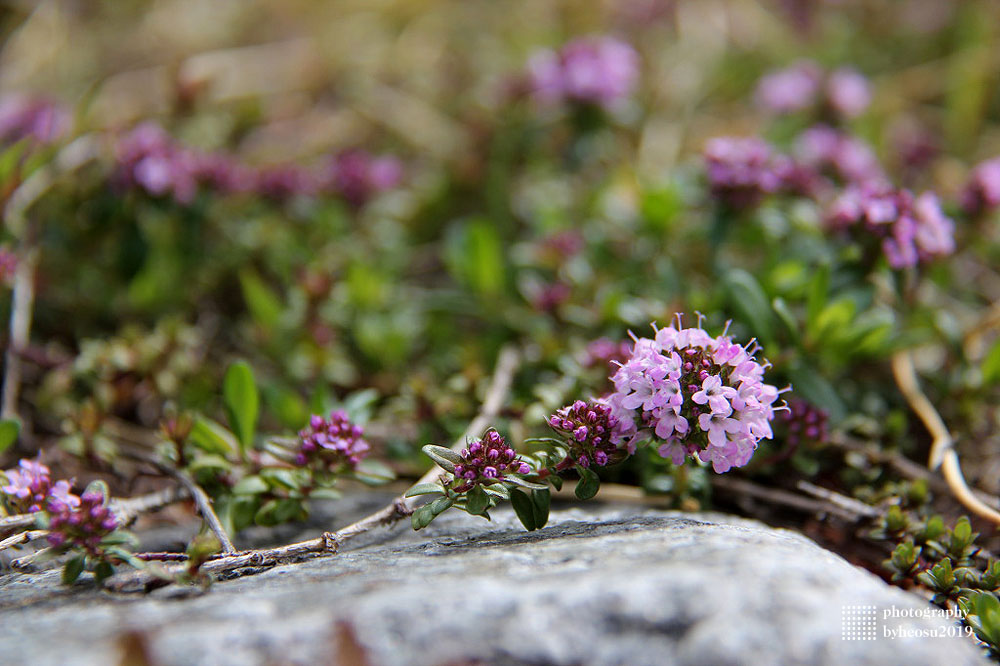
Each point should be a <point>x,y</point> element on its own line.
<point>814,388</point>
<point>103,571</point>
<point>264,305</point>
<point>425,489</point>
<point>747,297</point>
<point>589,483</point>
<point>556,482</point>
<point>446,458</point>
<point>359,405</point>
<point>73,569</point>
<point>474,255</point>
<point>786,317</point>
<point>325,493</point>
<point>524,508</point>
<point>440,505</point>
<point>251,485</point>
<point>540,501</point>
<point>285,478</point>
<point>477,501</point>
<point>818,289</point>
<point>530,485</point>
<point>212,437</point>
<point>288,406</point>
<point>239,393</point>
<point>422,517</point>
<point>277,511</point>
<point>990,367</point>
<point>373,472</point>
<point>9,430</point>
<point>209,462</point>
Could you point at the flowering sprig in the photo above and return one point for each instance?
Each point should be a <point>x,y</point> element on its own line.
<point>591,434</point>
<point>911,229</point>
<point>334,443</point>
<point>478,477</point>
<point>30,489</point>
<point>149,159</point>
<point>805,85</point>
<point>598,71</point>
<point>91,530</point>
<point>694,395</point>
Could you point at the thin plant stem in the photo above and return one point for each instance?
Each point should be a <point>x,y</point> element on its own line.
<point>943,453</point>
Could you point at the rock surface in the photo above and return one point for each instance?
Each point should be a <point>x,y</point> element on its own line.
<point>594,587</point>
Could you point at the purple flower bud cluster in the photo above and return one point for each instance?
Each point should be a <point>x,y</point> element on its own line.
<point>982,192</point>
<point>150,160</point>
<point>805,85</point>
<point>839,155</point>
<point>486,461</point>
<point>333,443</point>
<point>547,297</point>
<point>742,170</point>
<point>83,526</point>
<point>357,176</point>
<point>696,394</point>
<point>805,423</point>
<point>38,119</point>
<point>602,71</point>
<point>30,488</point>
<point>911,229</point>
<point>591,432</point>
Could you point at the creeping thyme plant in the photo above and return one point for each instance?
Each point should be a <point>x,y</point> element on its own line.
<point>253,295</point>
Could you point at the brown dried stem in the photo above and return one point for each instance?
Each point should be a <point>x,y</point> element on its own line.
<point>943,447</point>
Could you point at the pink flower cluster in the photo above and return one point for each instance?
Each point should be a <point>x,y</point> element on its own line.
<point>805,84</point>
<point>742,170</point>
<point>805,422</point>
<point>698,395</point>
<point>39,119</point>
<point>333,442</point>
<point>834,153</point>
<point>83,526</point>
<point>982,192</point>
<point>912,229</point>
<point>591,432</point>
<point>357,176</point>
<point>487,460</point>
<point>30,488</point>
<point>590,70</point>
<point>150,159</point>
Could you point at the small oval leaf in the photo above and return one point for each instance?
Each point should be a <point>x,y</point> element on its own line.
<point>242,402</point>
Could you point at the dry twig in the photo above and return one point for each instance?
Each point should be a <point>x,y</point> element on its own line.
<point>400,507</point>
<point>943,447</point>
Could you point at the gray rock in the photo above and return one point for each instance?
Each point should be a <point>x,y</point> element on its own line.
<point>594,587</point>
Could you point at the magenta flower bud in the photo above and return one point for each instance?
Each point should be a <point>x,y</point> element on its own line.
<point>470,474</point>
<point>583,461</point>
<point>493,455</point>
<point>580,433</point>
<point>475,447</point>
<point>524,469</point>
<point>491,472</point>
<point>600,457</point>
